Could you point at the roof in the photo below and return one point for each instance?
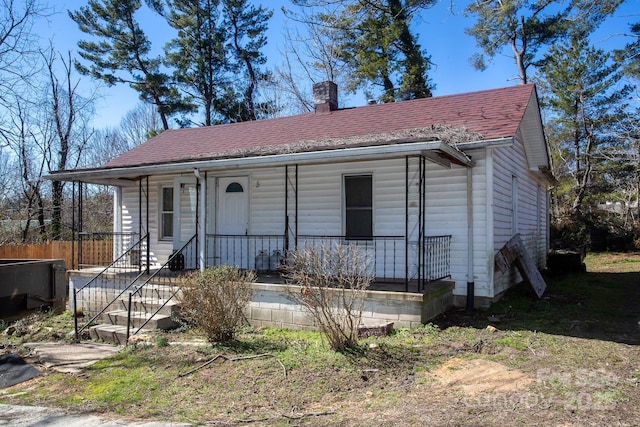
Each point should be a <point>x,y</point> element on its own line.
<point>482,115</point>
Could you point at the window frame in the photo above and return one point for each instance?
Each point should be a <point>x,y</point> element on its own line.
<point>349,210</point>
<point>164,213</point>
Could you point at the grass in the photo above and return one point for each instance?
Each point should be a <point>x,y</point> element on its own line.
<point>578,346</point>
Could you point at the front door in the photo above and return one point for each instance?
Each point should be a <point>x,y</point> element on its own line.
<point>185,198</point>
<point>233,221</point>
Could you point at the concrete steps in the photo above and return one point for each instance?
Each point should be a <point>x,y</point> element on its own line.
<point>114,326</point>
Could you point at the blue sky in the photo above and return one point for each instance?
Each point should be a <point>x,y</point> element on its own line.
<point>441,31</point>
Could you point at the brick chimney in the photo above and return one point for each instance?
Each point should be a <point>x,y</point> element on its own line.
<point>325,96</point>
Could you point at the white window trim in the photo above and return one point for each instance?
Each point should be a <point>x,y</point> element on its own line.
<point>161,236</point>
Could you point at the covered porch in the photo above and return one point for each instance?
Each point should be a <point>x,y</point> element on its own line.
<point>218,218</point>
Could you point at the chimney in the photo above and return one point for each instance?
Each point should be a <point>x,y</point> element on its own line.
<point>325,96</point>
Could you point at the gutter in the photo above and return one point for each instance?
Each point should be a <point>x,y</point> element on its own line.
<point>123,175</point>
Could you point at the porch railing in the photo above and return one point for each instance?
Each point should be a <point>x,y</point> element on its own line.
<point>103,290</point>
<point>384,254</point>
<point>437,255</point>
<point>99,249</point>
<point>258,253</point>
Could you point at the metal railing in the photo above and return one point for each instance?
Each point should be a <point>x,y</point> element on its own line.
<point>383,254</point>
<point>437,257</point>
<point>153,294</point>
<point>99,249</point>
<point>93,298</point>
<point>260,253</point>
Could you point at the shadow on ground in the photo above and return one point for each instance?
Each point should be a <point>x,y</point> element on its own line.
<point>603,306</point>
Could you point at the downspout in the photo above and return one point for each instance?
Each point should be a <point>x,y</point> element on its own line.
<point>296,195</point>
<point>148,267</point>
<point>117,222</point>
<point>406,224</point>
<point>73,227</point>
<point>201,218</point>
<point>470,282</point>
<point>140,216</point>
<point>286,209</point>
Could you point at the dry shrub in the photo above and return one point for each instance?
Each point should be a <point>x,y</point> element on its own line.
<point>214,300</point>
<point>333,280</point>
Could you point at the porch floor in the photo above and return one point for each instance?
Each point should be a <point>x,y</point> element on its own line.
<point>378,285</point>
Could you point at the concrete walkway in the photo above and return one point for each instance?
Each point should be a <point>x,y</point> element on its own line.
<point>70,358</point>
<point>36,416</point>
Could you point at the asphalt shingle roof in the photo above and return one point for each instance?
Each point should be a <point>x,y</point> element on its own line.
<point>493,114</point>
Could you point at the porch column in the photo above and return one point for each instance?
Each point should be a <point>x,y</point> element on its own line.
<point>201,227</point>
<point>117,221</point>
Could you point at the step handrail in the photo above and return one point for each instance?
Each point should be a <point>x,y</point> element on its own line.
<point>77,330</point>
<point>145,283</point>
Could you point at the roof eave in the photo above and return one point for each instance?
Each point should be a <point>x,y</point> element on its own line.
<point>125,176</point>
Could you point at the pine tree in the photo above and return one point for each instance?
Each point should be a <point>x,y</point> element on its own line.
<point>587,104</point>
<point>528,27</point>
<point>216,55</point>
<point>247,26</point>
<point>121,54</point>
<point>375,39</point>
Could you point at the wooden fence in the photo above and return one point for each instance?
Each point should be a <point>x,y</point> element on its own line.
<point>96,252</point>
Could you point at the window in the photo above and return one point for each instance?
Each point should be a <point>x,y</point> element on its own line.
<point>166,215</point>
<point>358,207</point>
<point>234,187</point>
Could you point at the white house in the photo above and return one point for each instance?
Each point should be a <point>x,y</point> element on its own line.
<point>431,188</point>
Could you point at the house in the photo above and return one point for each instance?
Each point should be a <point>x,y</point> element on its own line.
<point>431,188</point>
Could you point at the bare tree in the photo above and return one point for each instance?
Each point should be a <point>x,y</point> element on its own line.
<point>67,118</point>
<point>310,54</point>
<point>137,125</point>
<point>18,42</point>
<point>26,162</point>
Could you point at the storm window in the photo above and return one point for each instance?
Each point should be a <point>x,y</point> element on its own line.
<point>358,207</point>
<point>166,215</point>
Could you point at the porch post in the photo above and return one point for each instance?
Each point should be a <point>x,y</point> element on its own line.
<point>147,232</point>
<point>286,208</point>
<point>73,225</point>
<point>117,223</point>
<point>201,226</point>
<point>140,216</point>
<point>80,225</point>
<point>422,252</point>
<point>296,193</point>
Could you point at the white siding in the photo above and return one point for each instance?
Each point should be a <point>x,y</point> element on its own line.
<point>447,214</point>
<point>320,208</point>
<point>511,162</point>
<point>159,249</point>
<point>267,202</point>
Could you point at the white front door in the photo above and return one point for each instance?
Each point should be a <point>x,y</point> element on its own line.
<point>233,221</point>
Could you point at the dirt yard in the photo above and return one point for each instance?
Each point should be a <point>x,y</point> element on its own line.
<point>569,359</point>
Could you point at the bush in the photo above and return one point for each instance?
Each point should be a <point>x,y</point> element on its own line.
<point>214,301</point>
<point>332,283</point>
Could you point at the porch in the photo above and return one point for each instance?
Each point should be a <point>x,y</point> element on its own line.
<point>385,256</point>
<point>133,285</point>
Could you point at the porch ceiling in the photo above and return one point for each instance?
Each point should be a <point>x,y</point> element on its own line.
<point>436,151</point>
